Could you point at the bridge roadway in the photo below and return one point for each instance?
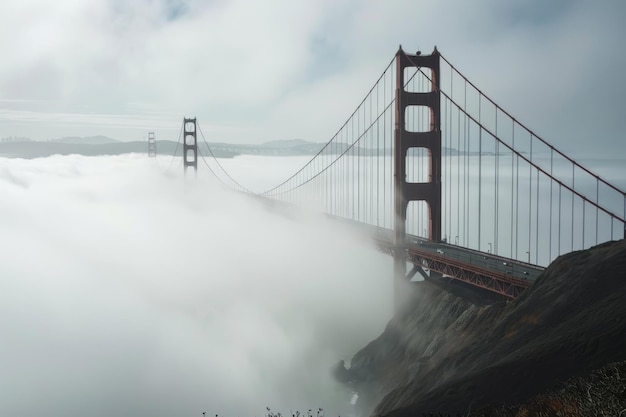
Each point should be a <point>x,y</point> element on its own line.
<point>510,267</point>
<point>508,277</point>
<point>501,275</point>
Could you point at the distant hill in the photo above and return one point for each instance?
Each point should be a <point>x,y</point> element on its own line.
<point>21,147</point>
<point>90,140</point>
<point>290,147</point>
<point>103,145</point>
<point>286,143</point>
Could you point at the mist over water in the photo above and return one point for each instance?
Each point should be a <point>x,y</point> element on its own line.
<point>129,291</point>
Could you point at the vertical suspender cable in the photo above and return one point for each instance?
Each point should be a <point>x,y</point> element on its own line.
<point>351,181</point>
<point>444,170</point>
<point>530,195</point>
<point>377,159</point>
<point>458,173</point>
<point>513,159</point>
<point>370,153</point>
<point>466,128</point>
<point>559,234</point>
<point>385,155</point>
<point>573,188</point>
<point>495,201</point>
<point>480,160</point>
<point>537,225</point>
<point>451,123</point>
<point>551,183</point>
<point>517,203</point>
<point>623,222</point>
<point>358,165</point>
<point>584,221</point>
<point>448,127</point>
<point>597,204</point>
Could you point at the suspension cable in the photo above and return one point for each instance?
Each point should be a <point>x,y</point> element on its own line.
<point>530,131</point>
<point>350,147</point>
<point>336,134</point>
<point>522,156</point>
<point>220,165</point>
<point>210,169</point>
<point>180,135</point>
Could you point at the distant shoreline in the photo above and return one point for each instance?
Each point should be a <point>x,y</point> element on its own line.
<point>28,149</point>
<point>102,146</point>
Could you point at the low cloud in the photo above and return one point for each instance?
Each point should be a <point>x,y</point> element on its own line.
<point>127,291</point>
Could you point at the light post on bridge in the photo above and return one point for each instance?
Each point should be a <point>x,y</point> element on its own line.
<point>508,269</point>
<point>528,252</point>
<point>489,250</point>
<point>456,240</point>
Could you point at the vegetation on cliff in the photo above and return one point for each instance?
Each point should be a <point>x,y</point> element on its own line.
<point>599,393</point>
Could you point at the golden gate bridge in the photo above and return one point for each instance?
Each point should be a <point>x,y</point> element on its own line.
<point>445,180</point>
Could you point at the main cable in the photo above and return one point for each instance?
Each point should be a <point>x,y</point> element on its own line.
<point>349,148</point>
<point>220,165</point>
<point>180,135</point>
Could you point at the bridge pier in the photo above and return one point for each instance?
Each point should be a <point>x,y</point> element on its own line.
<point>430,191</point>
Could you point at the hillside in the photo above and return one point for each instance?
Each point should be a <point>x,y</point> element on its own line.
<point>68,146</point>
<point>102,145</point>
<point>445,354</point>
<point>89,140</point>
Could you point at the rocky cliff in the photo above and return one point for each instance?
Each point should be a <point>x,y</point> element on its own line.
<point>445,354</point>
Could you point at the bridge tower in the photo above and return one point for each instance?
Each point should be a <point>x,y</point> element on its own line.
<point>430,191</point>
<point>152,150</point>
<point>190,144</point>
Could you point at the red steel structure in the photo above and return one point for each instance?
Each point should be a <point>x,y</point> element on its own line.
<point>444,266</point>
<point>429,192</point>
<point>488,279</point>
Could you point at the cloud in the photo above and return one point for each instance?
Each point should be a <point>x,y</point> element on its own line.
<point>279,69</point>
<point>131,292</point>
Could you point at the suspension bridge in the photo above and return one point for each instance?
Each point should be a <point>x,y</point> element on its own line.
<point>444,180</point>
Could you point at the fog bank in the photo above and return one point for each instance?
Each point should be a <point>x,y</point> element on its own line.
<point>130,291</point>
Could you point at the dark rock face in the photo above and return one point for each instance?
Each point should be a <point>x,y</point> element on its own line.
<point>447,355</point>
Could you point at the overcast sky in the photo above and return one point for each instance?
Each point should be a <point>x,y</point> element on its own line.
<point>254,71</point>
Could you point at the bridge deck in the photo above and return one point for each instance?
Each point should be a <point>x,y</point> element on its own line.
<point>507,277</point>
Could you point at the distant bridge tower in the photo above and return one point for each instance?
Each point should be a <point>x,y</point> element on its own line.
<point>152,149</point>
<point>190,144</point>
<point>430,191</point>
